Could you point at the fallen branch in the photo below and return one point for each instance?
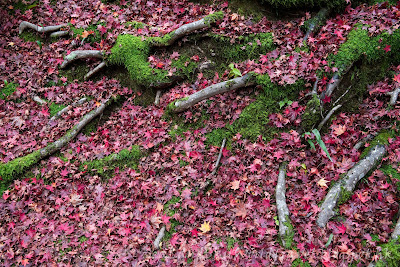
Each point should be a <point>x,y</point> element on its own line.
<point>394,95</point>
<point>316,22</point>
<point>344,187</point>
<point>215,89</point>
<point>75,104</point>
<point>186,29</point>
<point>327,117</point>
<point>38,100</point>
<point>281,206</point>
<point>160,236</point>
<point>27,25</point>
<point>81,54</point>
<point>219,157</point>
<point>95,70</point>
<point>18,166</point>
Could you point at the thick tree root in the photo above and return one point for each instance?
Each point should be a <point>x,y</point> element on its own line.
<point>27,25</point>
<point>316,21</point>
<point>95,70</point>
<point>160,236</point>
<point>75,104</point>
<point>343,188</point>
<point>189,28</point>
<point>81,54</point>
<point>158,95</point>
<point>59,34</point>
<point>18,166</point>
<point>38,100</point>
<point>394,95</point>
<point>281,206</point>
<point>215,89</point>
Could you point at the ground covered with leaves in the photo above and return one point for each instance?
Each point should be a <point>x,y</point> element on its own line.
<point>104,197</point>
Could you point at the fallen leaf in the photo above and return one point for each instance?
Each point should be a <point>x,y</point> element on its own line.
<point>235,185</point>
<point>205,227</point>
<point>322,183</point>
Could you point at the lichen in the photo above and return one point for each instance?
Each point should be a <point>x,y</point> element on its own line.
<point>311,115</point>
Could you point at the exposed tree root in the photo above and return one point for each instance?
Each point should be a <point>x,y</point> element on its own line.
<point>158,95</point>
<point>363,141</point>
<point>344,187</point>
<point>316,21</point>
<point>75,104</point>
<point>59,34</point>
<point>17,166</point>
<point>95,70</point>
<point>38,100</point>
<point>27,25</point>
<point>215,89</point>
<point>281,206</point>
<point>189,28</point>
<point>394,95</point>
<point>160,236</point>
<point>219,157</point>
<point>327,117</point>
<point>81,54</point>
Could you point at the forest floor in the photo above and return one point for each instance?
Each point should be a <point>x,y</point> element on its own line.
<point>104,197</point>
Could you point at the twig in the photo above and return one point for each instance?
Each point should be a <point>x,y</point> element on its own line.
<point>158,95</point>
<point>219,157</point>
<point>328,116</point>
<point>159,237</point>
<point>337,100</point>
<point>95,70</point>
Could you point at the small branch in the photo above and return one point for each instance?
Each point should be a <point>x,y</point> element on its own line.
<point>81,54</point>
<point>75,104</point>
<point>59,34</point>
<point>219,157</point>
<point>337,100</point>
<point>394,95</point>
<point>27,25</point>
<point>215,89</point>
<point>346,185</point>
<point>160,236</point>
<point>322,123</point>
<point>95,70</point>
<point>38,100</point>
<point>187,29</point>
<point>315,87</point>
<point>158,95</point>
<point>281,206</point>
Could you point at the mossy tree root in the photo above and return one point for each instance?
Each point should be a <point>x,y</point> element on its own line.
<point>81,54</point>
<point>394,95</point>
<point>281,206</point>
<point>186,29</point>
<point>327,117</point>
<point>396,232</point>
<point>315,23</point>
<point>344,188</point>
<point>53,29</point>
<point>18,166</point>
<point>160,236</point>
<point>215,89</point>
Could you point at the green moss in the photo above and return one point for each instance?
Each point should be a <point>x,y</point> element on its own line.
<point>136,24</point>
<point>311,115</point>
<point>83,239</point>
<point>131,52</point>
<point>29,36</point>
<point>15,168</point>
<point>214,17</point>
<point>381,139</point>
<point>23,6</point>
<point>54,108</point>
<point>286,4</point>
<point>230,242</point>
<point>254,119</point>
<point>7,90</point>
<point>94,37</point>
<point>246,47</point>
<point>390,253</point>
<point>76,72</point>
<point>105,167</point>
<point>299,263</point>
<point>393,174</point>
<point>289,234</point>
<point>344,196</point>
<point>185,67</point>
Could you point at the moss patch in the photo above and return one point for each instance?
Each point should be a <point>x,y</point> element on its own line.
<point>7,90</point>
<point>390,253</point>
<point>393,174</point>
<point>15,168</point>
<point>55,108</point>
<point>105,167</point>
<point>289,233</point>
<point>311,115</point>
<point>381,139</point>
<point>94,35</point>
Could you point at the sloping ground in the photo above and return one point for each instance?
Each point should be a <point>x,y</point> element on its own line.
<point>96,202</point>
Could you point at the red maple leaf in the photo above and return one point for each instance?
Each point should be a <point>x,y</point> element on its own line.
<point>387,48</point>
<point>341,229</point>
<point>396,78</point>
